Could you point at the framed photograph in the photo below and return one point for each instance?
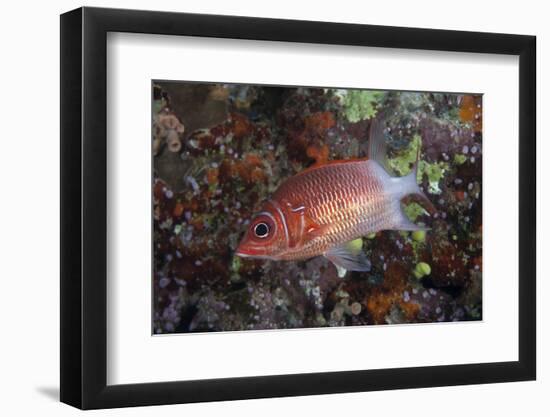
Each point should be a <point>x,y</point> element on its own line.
<point>257,208</point>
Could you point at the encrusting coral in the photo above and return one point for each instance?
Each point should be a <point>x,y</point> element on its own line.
<point>167,129</point>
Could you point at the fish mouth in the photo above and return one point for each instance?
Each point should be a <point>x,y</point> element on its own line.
<point>243,254</point>
<point>251,253</point>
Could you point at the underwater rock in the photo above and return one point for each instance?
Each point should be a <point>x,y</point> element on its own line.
<point>198,106</point>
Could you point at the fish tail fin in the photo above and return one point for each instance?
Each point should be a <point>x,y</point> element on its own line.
<point>409,186</point>
<point>400,219</point>
<point>403,186</point>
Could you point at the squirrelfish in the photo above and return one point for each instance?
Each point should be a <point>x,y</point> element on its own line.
<point>324,209</point>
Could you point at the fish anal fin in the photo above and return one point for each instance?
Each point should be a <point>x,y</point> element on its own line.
<point>348,257</point>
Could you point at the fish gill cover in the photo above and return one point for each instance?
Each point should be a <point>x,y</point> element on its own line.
<point>221,150</point>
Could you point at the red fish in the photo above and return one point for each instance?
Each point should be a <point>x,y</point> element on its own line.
<point>322,210</point>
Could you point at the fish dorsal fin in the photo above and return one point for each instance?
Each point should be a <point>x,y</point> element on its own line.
<point>378,148</point>
<point>330,163</point>
<point>349,257</point>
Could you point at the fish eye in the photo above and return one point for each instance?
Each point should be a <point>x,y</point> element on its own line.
<point>261,230</point>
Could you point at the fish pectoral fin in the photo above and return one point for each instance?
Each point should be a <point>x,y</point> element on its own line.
<point>313,229</point>
<point>348,257</point>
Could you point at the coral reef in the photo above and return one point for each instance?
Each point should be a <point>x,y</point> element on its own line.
<point>221,150</point>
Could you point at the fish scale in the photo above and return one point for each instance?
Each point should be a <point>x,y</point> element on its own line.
<point>323,209</point>
<point>348,197</point>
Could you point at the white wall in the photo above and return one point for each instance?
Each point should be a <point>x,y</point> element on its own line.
<point>29,237</point>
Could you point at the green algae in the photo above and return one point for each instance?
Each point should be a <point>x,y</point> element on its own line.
<point>403,161</point>
<point>361,105</point>
<point>355,245</point>
<point>417,247</point>
<point>434,172</point>
<point>157,106</point>
<point>413,211</point>
<point>234,268</point>
<point>401,164</point>
<point>419,235</point>
<point>459,159</point>
<point>422,269</point>
<point>236,264</point>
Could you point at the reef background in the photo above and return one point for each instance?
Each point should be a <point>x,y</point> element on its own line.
<point>220,150</point>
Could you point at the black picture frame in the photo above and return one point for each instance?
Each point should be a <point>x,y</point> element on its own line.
<point>84,207</point>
